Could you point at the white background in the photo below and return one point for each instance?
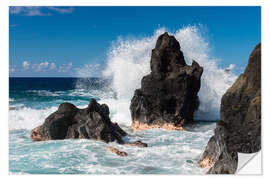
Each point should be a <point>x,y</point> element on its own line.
<point>4,60</point>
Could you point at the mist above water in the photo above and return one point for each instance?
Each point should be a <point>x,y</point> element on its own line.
<point>129,60</point>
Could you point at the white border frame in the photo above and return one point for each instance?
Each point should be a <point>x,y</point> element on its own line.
<point>5,61</point>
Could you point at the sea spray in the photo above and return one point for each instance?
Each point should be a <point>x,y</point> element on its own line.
<point>28,118</point>
<point>169,152</point>
<point>215,80</point>
<point>129,60</point>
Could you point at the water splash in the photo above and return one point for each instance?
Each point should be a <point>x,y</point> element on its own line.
<point>129,60</point>
<point>28,118</point>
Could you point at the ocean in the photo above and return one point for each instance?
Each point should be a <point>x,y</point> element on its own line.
<point>168,152</point>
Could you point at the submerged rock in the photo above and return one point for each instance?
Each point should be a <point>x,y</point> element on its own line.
<point>116,151</point>
<point>239,128</point>
<point>68,121</point>
<point>168,95</point>
<point>11,108</point>
<point>136,143</point>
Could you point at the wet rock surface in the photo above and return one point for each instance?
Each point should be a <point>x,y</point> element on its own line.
<point>217,155</point>
<point>68,122</point>
<point>168,95</point>
<point>137,143</point>
<point>117,151</point>
<point>239,128</point>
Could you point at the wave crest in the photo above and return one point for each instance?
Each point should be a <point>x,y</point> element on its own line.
<point>129,60</point>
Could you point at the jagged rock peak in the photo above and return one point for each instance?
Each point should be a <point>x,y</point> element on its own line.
<point>166,56</point>
<point>168,95</point>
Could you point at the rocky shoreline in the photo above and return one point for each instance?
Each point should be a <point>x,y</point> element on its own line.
<point>137,126</point>
<point>239,127</point>
<point>167,99</point>
<point>93,122</point>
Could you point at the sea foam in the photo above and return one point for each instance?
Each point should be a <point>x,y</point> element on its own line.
<point>28,118</point>
<point>128,61</point>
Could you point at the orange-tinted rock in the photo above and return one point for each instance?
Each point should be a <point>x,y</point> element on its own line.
<point>118,152</point>
<point>137,126</point>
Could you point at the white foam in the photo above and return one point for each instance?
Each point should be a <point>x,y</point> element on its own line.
<point>168,152</point>
<point>11,99</point>
<point>46,92</point>
<point>28,118</point>
<point>215,80</point>
<point>129,60</point>
<point>119,110</point>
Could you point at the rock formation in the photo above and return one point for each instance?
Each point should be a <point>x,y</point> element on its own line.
<point>136,143</point>
<point>239,128</point>
<point>68,121</point>
<point>11,108</point>
<point>117,152</point>
<point>168,95</point>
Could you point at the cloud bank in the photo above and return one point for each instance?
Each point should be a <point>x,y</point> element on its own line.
<point>46,66</point>
<point>39,10</point>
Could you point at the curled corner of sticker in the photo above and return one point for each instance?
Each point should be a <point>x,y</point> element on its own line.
<point>249,163</point>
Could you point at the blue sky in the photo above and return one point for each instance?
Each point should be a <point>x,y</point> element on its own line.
<point>56,41</point>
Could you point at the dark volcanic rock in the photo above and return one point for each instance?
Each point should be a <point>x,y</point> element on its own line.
<point>137,143</point>
<point>117,151</point>
<point>239,128</point>
<point>168,95</point>
<point>217,155</point>
<point>68,121</point>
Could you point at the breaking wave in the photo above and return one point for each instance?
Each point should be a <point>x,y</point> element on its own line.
<point>129,60</point>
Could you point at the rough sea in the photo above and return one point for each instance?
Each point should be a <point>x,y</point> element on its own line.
<point>168,152</point>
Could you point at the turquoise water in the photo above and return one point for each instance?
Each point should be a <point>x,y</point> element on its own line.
<point>168,152</point>
<point>127,61</point>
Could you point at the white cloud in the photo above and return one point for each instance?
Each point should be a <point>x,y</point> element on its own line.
<point>16,9</point>
<point>65,67</point>
<point>28,11</point>
<point>39,10</point>
<point>53,66</point>
<point>42,66</point>
<point>25,65</point>
<point>46,66</point>
<point>62,10</point>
